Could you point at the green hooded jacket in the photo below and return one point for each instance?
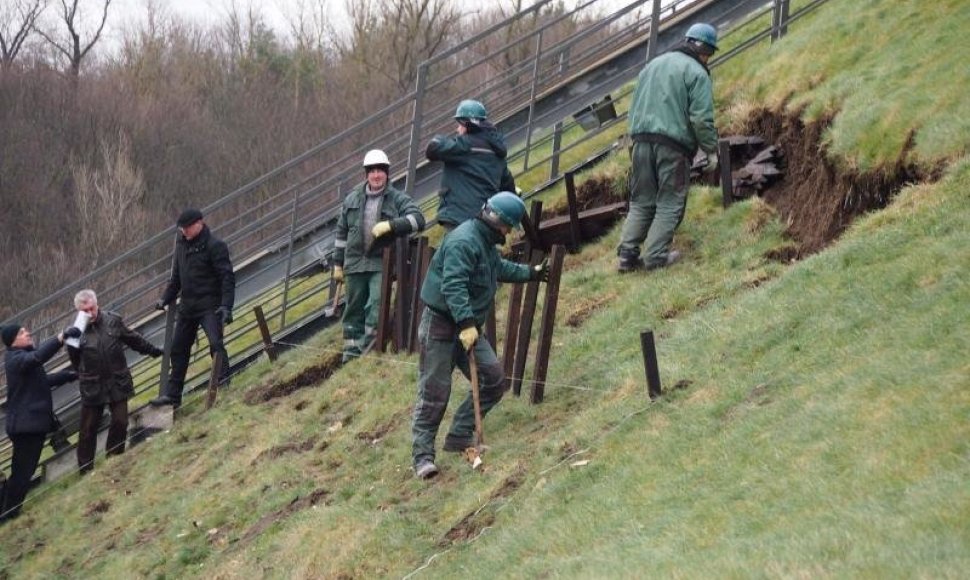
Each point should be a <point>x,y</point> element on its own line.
<point>465,272</point>
<point>396,207</point>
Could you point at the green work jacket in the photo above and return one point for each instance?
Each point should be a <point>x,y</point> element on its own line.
<point>465,272</point>
<point>396,207</point>
<point>674,99</point>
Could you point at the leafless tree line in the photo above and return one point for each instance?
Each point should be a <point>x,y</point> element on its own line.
<point>98,150</point>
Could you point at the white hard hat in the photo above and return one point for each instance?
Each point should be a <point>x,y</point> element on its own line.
<point>376,157</point>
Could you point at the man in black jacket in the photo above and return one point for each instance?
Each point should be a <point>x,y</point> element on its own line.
<point>202,275</point>
<point>30,408</point>
<point>105,379</point>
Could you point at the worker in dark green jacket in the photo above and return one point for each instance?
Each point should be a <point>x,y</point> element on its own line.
<point>671,117</point>
<point>475,167</point>
<point>458,292</point>
<point>373,215</point>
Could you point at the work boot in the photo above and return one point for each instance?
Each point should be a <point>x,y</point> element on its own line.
<point>425,469</point>
<point>165,400</point>
<point>673,256</point>
<point>629,262</point>
<point>458,444</point>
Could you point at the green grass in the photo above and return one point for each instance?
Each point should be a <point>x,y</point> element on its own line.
<point>889,71</point>
<point>815,420</point>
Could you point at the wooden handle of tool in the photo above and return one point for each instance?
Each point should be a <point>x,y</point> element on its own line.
<point>473,368</point>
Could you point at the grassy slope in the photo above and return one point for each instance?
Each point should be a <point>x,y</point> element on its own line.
<point>822,431</point>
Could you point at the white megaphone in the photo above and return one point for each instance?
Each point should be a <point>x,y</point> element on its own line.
<point>81,322</point>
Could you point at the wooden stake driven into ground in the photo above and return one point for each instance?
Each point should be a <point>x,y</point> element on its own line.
<point>547,324</point>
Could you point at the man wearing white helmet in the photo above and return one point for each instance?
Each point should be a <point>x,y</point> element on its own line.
<point>671,117</point>
<point>373,214</point>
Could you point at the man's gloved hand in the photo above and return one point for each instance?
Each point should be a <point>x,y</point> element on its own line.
<point>160,305</point>
<point>540,272</point>
<point>156,353</point>
<point>72,332</point>
<point>468,337</point>
<point>226,315</point>
<point>381,229</point>
<point>338,273</point>
<point>711,162</point>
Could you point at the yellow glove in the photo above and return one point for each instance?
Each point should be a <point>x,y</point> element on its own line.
<point>468,337</point>
<point>338,273</point>
<point>381,228</point>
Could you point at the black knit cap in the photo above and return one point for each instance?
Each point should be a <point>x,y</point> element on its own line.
<point>9,333</point>
<point>188,217</point>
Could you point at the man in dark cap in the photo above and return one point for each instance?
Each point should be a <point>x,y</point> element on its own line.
<point>30,408</point>
<point>202,276</point>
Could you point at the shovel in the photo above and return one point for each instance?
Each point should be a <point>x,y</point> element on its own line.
<point>332,309</point>
<point>474,454</point>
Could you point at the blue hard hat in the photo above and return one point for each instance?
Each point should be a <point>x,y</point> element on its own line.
<point>508,207</point>
<point>702,32</point>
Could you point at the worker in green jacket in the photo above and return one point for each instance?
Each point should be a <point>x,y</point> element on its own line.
<point>474,165</point>
<point>671,117</point>
<point>373,215</point>
<point>458,292</point>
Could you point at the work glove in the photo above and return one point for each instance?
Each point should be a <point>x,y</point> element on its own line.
<point>226,315</point>
<point>338,273</point>
<point>160,305</point>
<point>157,352</point>
<point>468,337</point>
<point>711,164</point>
<point>70,375</point>
<point>72,332</point>
<point>540,272</point>
<point>381,228</point>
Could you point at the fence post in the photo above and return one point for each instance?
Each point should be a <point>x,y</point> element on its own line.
<point>416,120</point>
<point>556,146</point>
<point>532,101</point>
<point>547,325</point>
<point>654,30</point>
<point>575,232</point>
<point>650,363</point>
<point>289,259</point>
<point>268,345</point>
<point>727,185</point>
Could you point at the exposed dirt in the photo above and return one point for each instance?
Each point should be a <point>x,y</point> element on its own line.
<point>298,504</point>
<point>374,437</point>
<point>815,199</point>
<point>279,450</point>
<point>473,523</point>
<point>99,507</point>
<point>307,378</point>
<point>586,307</point>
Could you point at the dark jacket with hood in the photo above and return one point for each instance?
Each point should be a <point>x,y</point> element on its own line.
<point>100,361</point>
<point>30,408</point>
<point>475,170</point>
<point>202,274</point>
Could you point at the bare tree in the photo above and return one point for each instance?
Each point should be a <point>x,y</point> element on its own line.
<point>79,21</point>
<point>108,198</point>
<point>17,19</point>
<point>392,37</point>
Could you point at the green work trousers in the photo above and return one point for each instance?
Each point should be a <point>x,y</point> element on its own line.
<point>658,197</point>
<point>441,352</point>
<point>360,312</point>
